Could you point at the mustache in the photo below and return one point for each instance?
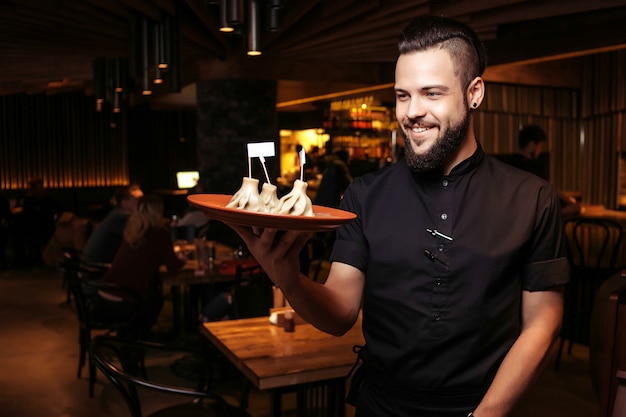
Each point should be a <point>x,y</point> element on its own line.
<point>421,121</point>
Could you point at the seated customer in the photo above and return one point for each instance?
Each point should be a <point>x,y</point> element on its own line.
<point>146,246</point>
<point>106,238</point>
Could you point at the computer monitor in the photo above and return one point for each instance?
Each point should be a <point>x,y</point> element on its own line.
<point>187,179</point>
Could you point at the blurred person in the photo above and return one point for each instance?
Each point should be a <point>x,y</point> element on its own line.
<point>531,157</point>
<point>455,259</point>
<point>335,180</point>
<point>35,224</point>
<point>106,238</point>
<point>532,142</point>
<point>145,248</point>
<point>5,225</point>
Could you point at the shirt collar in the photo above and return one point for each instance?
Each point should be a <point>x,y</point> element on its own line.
<point>470,163</point>
<point>460,169</point>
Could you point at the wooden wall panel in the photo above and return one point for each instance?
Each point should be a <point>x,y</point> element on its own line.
<point>586,127</point>
<point>61,139</point>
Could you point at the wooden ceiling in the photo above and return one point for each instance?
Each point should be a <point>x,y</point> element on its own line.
<point>50,45</point>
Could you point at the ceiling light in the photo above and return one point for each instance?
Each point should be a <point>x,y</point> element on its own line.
<point>253,30</point>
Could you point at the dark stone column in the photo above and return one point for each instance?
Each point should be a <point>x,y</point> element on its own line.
<point>232,113</point>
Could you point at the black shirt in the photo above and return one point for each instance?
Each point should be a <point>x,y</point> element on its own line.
<point>446,259</point>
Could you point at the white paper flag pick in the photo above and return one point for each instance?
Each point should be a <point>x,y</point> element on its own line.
<point>261,149</point>
<point>302,157</point>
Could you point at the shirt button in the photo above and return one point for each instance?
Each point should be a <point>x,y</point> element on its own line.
<point>439,283</point>
<point>444,216</point>
<point>437,316</point>
<point>440,248</point>
<point>444,183</point>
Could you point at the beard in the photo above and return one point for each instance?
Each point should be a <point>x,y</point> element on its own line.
<point>445,145</point>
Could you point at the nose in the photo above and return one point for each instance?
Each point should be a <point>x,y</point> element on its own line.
<point>416,108</point>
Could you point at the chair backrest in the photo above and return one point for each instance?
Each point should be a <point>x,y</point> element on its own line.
<point>607,349</point>
<point>593,243</point>
<point>117,361</point>
<point>619,406</point>
<point>592,247</point>
<point>85,286</point>
<point>252,293</point>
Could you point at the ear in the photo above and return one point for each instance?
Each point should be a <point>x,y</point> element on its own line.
<point>476,92</point>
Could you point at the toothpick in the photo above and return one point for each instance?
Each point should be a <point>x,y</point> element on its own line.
<point>302,157</point>
<point>262,159</point>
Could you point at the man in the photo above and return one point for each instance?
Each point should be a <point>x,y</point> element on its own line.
<point>455,256</point>
<point>106,238</point>
<point>531,144</point>
<point>335,180</point>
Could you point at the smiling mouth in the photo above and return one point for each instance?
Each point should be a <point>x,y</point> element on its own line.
<point>418,129</point>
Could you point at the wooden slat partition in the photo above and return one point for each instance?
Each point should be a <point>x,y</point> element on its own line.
<point>586,127</point>
<point>62,140</point>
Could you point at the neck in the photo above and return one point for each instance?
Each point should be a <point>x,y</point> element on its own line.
<point>465,150</point>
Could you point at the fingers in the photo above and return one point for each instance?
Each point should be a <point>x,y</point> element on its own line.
<point>292,242</point>
<point>282,243</point>
<point>245,232</point>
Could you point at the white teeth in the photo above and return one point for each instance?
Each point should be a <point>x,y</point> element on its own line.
<point>419,129</point>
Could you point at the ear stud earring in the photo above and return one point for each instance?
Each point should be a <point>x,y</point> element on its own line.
<point>474,105</point>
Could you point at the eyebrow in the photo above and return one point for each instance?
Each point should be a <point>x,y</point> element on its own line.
<point>425,88</point>
<point>435,87</point>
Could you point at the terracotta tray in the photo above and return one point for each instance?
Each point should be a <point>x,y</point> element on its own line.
<point>324,218</point>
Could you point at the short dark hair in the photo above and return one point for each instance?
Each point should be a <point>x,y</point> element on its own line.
<point>459,40</point>
<point>124,193</point>
<point>530,133</point>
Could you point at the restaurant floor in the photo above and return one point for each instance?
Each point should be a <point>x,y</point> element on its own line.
<point>39,348</point>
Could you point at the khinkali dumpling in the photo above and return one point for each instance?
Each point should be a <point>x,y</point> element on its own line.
<point>248,198</point>
<point>268,196</point>
<point>296,203</point>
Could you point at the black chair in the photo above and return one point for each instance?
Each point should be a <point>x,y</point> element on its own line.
<point>619,407</point>
<point>84,287</point>
<point>117,361</point>
<point>69,266</point>
<point>607,344</point>
<point>252,294</point>
<point>592,246</point>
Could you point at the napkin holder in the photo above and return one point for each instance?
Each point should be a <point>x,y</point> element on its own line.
<point>277,316</point>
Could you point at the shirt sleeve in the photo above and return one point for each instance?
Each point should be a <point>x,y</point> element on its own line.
<point>350,246</point>
<point>547,266</point>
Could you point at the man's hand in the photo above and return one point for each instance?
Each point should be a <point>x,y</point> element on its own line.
<point>277,251</point>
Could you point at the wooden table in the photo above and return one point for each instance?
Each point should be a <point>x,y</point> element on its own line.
<point>601,212</point>
<point>273,359</point>
<point>190,286</point>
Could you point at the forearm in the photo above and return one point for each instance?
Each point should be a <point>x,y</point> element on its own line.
<point>542,312</point>
<point>332,307</point>
<point>521,367</point>
<point>324,306</point>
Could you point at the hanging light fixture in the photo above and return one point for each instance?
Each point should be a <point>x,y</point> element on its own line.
<point>237,16</point>
<point>163,37</point>
<point>274,14</point>
<point>145,79</point>
<point>157,41</point>
<point>99,82</point>
<point>224,25</point>
<point>254,34</point>
<point>234,12</point>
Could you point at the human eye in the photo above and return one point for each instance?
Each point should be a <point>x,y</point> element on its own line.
<point>433,93</point>
<point>401,96</point>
